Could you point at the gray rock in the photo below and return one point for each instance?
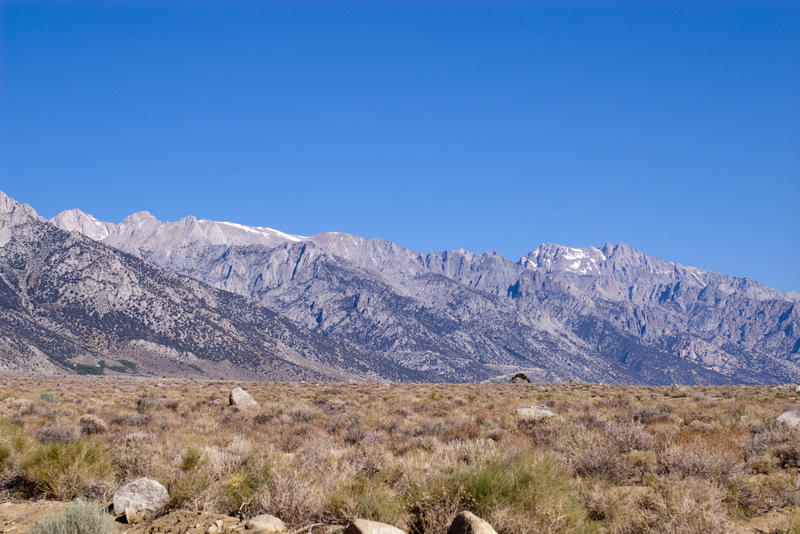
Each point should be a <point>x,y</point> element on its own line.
<point>362,526</point>
<point>570,311</point>
<point>144,497</point>
<point>469,523</point>
<point>241,399</point>
<point>265,523</point>
<point>790,417</point>
<point>46,270</point>
<point>535,413</point>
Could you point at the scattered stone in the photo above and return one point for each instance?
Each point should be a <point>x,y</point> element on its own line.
<point>145,496</point>
<point>241,399</point>
<point>469,523</point>
<point>797,389</point>
<point>790,418</point>
<point>362,526</point>
<point>91,424</point>
<point>132,516</point>
<point>535,413</point>
<point>520,378</point>
<point>265,523</point>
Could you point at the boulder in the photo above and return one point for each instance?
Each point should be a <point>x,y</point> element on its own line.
<point>241,399</point>
<point>790,418</point>
<point>144,496</point>
<point>469,523</point>
<point>132,516</point>
<point>265,523</point>
<point>535,413</point>
<point>362,526</point>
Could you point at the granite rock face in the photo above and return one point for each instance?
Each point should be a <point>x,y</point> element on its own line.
<point>608,313</point>
<point>69,304</point>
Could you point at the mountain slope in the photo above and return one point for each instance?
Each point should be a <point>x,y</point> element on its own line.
<point>601,314</point>
<point>68,302</point>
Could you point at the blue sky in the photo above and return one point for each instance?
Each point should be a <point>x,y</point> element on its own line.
<point>492,126</point>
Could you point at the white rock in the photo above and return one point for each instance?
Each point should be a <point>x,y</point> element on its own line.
<point>265,523</point>
<point>790,418</point>
<point>362,526</point>
<point>144,496</point>
<point>241,399</point>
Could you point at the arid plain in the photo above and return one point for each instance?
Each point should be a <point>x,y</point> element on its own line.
<point>616,459</point>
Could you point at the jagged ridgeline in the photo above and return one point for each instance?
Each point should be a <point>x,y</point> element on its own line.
<point>69,304</point>
<point>366,308</point>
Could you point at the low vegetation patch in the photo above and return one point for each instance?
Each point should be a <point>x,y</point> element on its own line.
<point>79,517</point>
<point>613,459</point>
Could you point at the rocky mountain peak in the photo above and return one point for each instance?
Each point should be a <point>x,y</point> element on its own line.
<point>13,214</point>
<point>600,313</point>
<point>13,210</point>
<point>75,220</point>
<point>550,257</point>
<point>139,218</point>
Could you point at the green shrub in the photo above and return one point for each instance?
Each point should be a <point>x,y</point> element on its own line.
<point>66,470</point>
<point>78,517</point>
<point>48,397</point>
<point>240,487</point>
<point>533,488</point>
<point>190,458</point>
<point>5,452</point>
<point>436,395</point>
<point>185,487</point>
<point>14,437</point>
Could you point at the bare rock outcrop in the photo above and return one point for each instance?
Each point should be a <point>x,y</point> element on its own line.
<point>265,524</point>
<point>241,399</point>
<point>790,417</point>
<point>142,497</point>
<point>362,526</point>
<point>469,523</point>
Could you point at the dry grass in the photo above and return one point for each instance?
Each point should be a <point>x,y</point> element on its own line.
<point>615,459</point>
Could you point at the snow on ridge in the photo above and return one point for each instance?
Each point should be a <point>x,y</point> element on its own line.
<point>262,230</point>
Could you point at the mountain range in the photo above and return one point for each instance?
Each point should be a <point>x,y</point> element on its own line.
<point>220,299</point>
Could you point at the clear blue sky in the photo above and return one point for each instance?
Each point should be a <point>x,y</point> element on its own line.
<point>674,127</point>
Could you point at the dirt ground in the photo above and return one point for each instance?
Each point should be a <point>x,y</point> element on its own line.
<point>18,517</point>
